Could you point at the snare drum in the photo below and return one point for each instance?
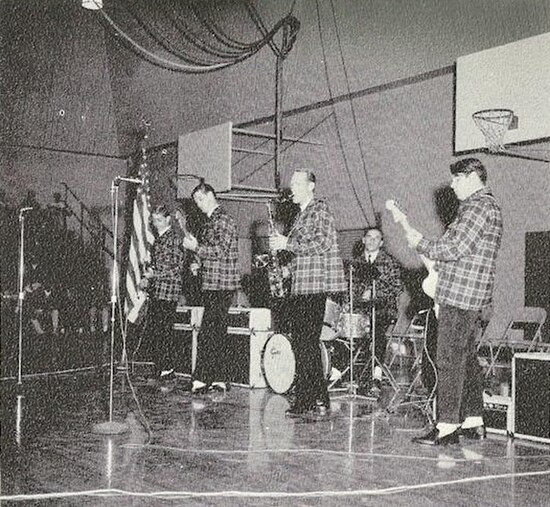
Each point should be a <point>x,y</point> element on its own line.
<point>279,364</point>
<point>353,325</point>
<point>330,321</point>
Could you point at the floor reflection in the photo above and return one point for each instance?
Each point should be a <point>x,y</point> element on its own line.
<point>241,441</point>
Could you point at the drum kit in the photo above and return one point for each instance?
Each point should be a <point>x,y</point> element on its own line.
<point>340,330</point>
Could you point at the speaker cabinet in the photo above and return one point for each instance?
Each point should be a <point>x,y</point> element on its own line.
<point>188,322</point>
<point>531,396</point>
<point>498,414</point>
<point>248,329</point>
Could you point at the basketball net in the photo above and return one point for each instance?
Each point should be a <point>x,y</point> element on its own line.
<point>494,123</point>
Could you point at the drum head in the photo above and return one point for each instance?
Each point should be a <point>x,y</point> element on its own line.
<point>278,363</point>
<point>353,325</point>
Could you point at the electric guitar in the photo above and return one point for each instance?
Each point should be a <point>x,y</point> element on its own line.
<point>182,221</point>
<point>430,282</point>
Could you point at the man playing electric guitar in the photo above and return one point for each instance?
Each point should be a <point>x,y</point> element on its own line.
<point>466,263</point>
<point>163,282</point>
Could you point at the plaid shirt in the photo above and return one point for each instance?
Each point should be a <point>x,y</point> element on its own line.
<point>167,264</point>
<point>219,253</point>
<point>388,285</point>
<point>316,266</point>
<point>466,254</point>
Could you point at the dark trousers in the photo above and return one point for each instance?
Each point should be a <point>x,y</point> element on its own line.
<point>459,376</point>
<point>160,330</point>
<point>212,342</point>
<point>306,323</point>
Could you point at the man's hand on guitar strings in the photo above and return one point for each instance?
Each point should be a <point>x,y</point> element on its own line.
<point>413,237</point>
<point>190,242</point>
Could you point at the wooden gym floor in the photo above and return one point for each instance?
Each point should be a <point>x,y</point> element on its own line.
<point>239,449</point>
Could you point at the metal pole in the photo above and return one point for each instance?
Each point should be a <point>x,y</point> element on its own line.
<point>114,285</point>
<point>278,119</point>
<point>21,295</point>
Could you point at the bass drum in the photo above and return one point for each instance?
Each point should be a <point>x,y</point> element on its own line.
<point>279,364</point>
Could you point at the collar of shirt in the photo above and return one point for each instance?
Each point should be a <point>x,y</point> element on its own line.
<point>371,256</point>
<point>209,215</point>
<point>304,205</point>
<point>160,234</point>
<point>478,193</point>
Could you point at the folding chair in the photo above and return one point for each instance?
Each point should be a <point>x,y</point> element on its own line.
<point>411,337</point>
<point>415,392</point>
<point>522,334</point>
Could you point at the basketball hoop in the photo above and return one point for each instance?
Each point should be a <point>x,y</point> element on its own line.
<point>493,124</point>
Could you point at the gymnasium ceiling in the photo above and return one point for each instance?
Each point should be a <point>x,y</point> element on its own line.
<point>70,84</point>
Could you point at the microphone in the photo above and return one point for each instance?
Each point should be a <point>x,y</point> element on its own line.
<point>118,179</point>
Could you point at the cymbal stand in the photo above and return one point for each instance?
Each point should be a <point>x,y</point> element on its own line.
<point>353,355</point>
<point>374,360</point>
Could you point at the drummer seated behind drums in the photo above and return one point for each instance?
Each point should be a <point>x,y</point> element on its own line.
<point>377,282</point>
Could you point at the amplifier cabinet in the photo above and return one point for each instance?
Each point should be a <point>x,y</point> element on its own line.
<point>248,330</point>
<point>531,396</point>
<point>188,323</point>
<point>498,414</point>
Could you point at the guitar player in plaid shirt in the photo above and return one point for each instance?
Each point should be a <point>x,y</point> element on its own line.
<point>317,270</point>
<point>217,249</point>
<point>466,262</point>
<point>163,282</point>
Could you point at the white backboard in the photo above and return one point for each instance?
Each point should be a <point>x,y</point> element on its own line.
<point>205,154</point>
<point>515,76</point>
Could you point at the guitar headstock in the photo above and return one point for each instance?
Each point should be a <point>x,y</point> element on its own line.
<point>395,210</point>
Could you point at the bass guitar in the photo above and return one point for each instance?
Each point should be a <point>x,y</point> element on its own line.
<point>430,282</point>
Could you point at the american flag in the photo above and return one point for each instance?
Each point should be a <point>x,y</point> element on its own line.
<point>139,255</point>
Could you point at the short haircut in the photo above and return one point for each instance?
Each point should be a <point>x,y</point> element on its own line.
<point>468,166</point>
<point>310,176</point>
<point>203,188</point>
<point>160,209</point>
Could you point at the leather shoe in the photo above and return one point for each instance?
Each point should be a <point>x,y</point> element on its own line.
<point>475,433</point>
<point>199,388</point>
<point>220,387</point>
<point>432,438</point>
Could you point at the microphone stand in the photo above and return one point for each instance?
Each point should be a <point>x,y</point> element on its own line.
<point>21,295</point>
<point>373,328</point>
<point>110,427</point>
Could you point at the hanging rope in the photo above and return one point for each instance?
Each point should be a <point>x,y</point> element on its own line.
<point>354,116</point>
<point>233,51</point>
<point>338,132</point>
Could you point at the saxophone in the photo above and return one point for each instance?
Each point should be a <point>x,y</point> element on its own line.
<point>274,269</point>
